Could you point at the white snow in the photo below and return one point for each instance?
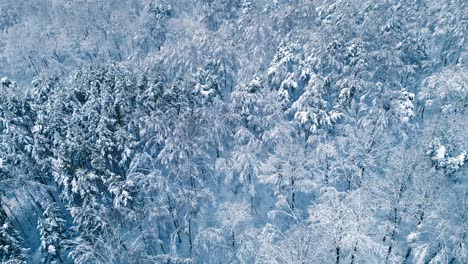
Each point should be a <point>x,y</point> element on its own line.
<point>441,152</point>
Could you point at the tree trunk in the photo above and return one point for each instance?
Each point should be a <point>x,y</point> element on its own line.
<point>190,234</point>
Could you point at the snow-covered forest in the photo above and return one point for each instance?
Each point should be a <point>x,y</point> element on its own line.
<point>233,131</point>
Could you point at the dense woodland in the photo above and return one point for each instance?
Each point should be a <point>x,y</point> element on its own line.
<point>233,131</point>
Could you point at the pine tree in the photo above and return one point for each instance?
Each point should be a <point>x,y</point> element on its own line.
<point>52,231</point>
<point>313,110</point>
<point>11,246</point>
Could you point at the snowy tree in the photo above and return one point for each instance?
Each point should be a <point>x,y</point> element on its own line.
<point>11,245</point>
<point>215,131</point>
<point>312,108</point>
<point>215,79</point>
<point>445,91</point>
<point>52,231</point>
<point>234,217</point>
<point>286,171</point>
